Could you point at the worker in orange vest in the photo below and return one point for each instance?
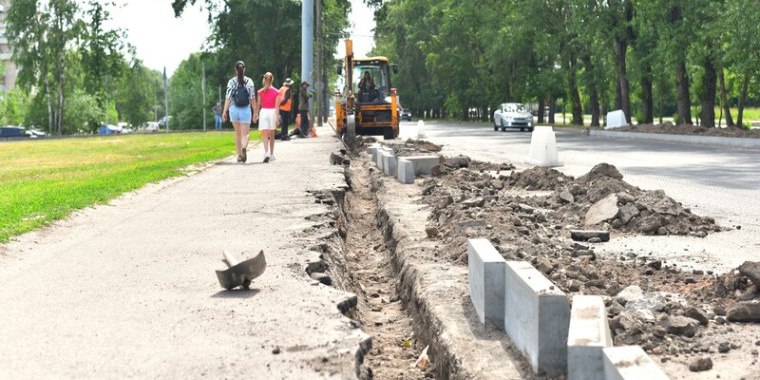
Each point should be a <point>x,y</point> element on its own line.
<point>285,100</point>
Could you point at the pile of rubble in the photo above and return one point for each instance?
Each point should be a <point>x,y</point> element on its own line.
<point>529,216</point>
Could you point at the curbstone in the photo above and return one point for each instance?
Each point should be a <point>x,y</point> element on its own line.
<point>589,333</point>
<point>630,363</point>
<point>485,268</point>
<point>389,165</point>
<point>537,317</point>
<point>423,165</point>
<point>405,171</point>
<point>372,150</point>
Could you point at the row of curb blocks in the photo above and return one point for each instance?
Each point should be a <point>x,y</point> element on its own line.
<point>405,168</point>
<point>536,315</point>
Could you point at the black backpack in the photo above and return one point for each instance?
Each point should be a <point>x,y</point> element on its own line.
<point>242,97</point>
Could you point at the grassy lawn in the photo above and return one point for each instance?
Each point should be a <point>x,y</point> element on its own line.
<point>45,180</point>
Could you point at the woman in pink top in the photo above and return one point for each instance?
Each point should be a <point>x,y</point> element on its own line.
<point>268,120</point>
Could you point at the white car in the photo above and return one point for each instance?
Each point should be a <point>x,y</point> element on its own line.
<point>512,115</point>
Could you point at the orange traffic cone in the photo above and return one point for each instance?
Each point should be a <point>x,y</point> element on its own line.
<point>313,132</point>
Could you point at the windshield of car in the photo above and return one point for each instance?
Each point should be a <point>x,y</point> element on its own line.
<point>512,107</point>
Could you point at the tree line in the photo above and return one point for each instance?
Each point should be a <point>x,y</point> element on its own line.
<point>679,58</point>
<point>75,74</point>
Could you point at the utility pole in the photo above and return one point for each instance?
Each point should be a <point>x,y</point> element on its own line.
<point>319,85</point>
<point>203,89</point>
<point>307,42</point>
<point>166,101</point>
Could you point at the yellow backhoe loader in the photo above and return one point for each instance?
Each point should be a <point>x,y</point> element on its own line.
<point>368,104</point>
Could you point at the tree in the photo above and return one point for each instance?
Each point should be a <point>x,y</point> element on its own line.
<point>139,93</point>
<point>40,48</point>
<point>741,26</point>
<point>102,51</point>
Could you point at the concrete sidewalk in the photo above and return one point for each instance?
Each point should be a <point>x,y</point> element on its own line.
<point>128,290</point>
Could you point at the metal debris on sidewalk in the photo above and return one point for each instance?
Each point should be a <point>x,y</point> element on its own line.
<point>240,273</point>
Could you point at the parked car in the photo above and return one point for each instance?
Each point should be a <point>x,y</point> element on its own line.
<point>162,122</point>
<point>512,115</point>
<point>149,126</point>
<point>406,114</point>
<point>34,133</point>
<point>124,127</point>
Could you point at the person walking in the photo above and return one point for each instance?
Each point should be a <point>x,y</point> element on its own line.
<point>238,100</point>
<point>269,119</point>
<point>285,101</point>
<point>217,109</point>
<point>303,108</point>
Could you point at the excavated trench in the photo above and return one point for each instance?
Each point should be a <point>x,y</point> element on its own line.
<point>360,259</point>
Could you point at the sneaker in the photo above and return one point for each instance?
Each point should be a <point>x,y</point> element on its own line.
<point>266,158</point>
<point>239,159</point>
<point>244,156</point>
<point>272,157</point>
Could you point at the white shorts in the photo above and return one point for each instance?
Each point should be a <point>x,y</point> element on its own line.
<point>268,119</point>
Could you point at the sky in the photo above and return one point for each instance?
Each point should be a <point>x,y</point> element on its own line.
<point>161,40</point>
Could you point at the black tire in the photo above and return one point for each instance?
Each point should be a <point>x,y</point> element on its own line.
<point>388,134</point>
<point>503,128</point>
<point>530,129</point>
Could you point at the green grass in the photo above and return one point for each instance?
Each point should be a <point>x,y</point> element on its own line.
<point>45,180</point>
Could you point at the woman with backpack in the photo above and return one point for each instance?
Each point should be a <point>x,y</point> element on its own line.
<point>239,99</point>
<point>269,116</point>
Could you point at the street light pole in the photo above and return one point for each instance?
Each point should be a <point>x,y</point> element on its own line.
<point>203,89</point>
<point>166,101</point>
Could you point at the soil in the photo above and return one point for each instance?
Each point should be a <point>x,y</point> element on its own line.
<point>685,129</point>
<point>683,319</point>
<point>379,311</point>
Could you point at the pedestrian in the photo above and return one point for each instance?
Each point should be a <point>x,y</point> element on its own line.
<point>217,116</point>
<point>303,108</point>
<point>239,99</point>
<point>269,119</point>
<point>285,101</point>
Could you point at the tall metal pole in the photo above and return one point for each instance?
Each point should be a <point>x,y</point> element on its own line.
<point>166,101</point>
<point>203,89</point>
<point>319,85</point>
<point>307,42</point>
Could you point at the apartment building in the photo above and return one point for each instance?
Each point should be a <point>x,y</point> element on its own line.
<point>8,70</point>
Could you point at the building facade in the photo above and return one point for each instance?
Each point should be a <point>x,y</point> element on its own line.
<point>8,71</point>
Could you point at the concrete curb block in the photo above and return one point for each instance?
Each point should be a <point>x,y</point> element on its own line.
<point>537,317</point>
<point>405,171</point>
<point>630,363</point>
<point>372,150</point>
<point>485,268</point>
<point>389,164</point>
<point>589,334</point>
<point>734,142</point>
<point>423,165</point>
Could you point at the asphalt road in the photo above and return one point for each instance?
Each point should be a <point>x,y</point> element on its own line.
<point>713,181</point>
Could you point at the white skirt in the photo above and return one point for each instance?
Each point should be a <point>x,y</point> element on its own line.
<point>268,118</point>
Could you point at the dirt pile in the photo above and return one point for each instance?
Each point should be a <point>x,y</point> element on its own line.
<point>528,216</point>
<point>685,129</point>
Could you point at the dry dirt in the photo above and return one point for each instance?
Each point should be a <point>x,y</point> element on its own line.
<point>684,129</point>
<point>689,321</point>
<point>395,348</point>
